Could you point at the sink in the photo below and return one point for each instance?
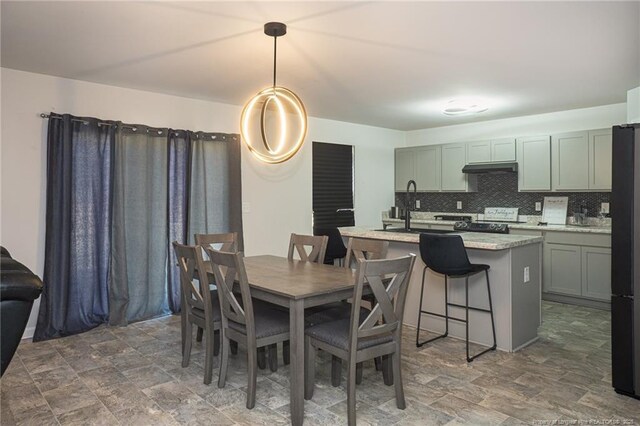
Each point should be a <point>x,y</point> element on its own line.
<point>418,231</point>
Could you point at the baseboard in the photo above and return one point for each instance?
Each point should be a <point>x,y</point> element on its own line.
<point>570,300</point>
<point>28,333</point>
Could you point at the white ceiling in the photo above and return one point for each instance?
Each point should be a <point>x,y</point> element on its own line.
<point>388,64</point>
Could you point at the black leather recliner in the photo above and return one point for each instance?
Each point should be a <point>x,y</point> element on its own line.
<point>19,287</point>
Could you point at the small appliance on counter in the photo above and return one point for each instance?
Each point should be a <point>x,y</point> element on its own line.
<point>396,213</point>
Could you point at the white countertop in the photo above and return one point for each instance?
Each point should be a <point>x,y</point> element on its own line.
<point>472,240</point>
<point>530,226</point>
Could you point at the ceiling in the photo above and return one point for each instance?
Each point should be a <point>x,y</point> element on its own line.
<point>387,64</point>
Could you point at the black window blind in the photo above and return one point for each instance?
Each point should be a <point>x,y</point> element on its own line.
<point>332,185</point>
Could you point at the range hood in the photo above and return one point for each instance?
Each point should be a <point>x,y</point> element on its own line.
<point>478,168</point>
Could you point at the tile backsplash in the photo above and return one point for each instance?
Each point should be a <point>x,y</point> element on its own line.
<point>501,190</point>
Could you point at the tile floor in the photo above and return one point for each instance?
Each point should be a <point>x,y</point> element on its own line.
<point>133,376</point>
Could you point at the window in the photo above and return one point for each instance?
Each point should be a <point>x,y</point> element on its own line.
<point>332,185</point>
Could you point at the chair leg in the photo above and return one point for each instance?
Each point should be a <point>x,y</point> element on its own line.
<point>387,374</point>
<point>351,394</point>
<point>286,352</point>
<point>208,356</point>
<point>336,371</point>
<point>224,360</point>
<point>216,343</point>
<point>273,357</point>
<point>186,352</point>
<point>262,358</point>
<point>493,325</point>
<point>378,363</point>
<point>252,364</point>
<point>233,347</point>
<point>466,315</point>
<point>397,379</point>
<point>358,373</point>
<point>446,312</point>
<point>199,335</point>
<point>309,368</point>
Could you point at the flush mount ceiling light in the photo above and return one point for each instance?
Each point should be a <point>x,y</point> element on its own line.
<point>464,106</point>
<point>274,122</point>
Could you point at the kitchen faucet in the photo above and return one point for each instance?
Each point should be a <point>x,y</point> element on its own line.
<point>408,208</point>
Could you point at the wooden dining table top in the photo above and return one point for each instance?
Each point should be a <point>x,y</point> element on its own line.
<point>296,279</point>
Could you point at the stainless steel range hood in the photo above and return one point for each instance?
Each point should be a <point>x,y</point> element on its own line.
<point>506,167</point>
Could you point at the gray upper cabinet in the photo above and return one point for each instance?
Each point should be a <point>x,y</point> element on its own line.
<point>404,167</point>
<point>503,149</point>
<point>600,159</point>
<point>427,168</point>
<point>570,161</point>
<point>454,158</point>
<point>534,163</point>
<point>479,152</point>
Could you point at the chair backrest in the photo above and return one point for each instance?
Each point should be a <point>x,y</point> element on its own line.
<point>335,247</point>
<point>227,242</point>
<point>444,254</point>
<point>228,269</point>
<point>192,266</point>
<point>389,281</point>
<point>360,249</point>
<point>317,246</point>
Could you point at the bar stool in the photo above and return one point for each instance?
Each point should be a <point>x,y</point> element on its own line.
<point>335,247</point>
<point>446,255</point>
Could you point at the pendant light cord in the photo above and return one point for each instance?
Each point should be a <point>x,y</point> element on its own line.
<point>275,51</point>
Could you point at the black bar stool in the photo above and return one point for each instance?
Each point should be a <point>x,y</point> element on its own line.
<point>446,255</point>
<point>335,247</point>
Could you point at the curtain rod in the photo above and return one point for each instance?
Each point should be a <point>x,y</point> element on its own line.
<point>134,128</point>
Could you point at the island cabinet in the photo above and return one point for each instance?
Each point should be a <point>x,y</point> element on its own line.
<point>454,158</point>
<point>534,163</point>
<point>582,161</point>
<point>488,151</point>
<point>577,265</point>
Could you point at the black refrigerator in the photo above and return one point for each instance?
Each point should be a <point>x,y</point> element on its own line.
<point>625,260</point>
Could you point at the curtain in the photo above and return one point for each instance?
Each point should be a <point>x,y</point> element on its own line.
<point>117,196</point>
<point>78,220</point>
<point>216,203</point>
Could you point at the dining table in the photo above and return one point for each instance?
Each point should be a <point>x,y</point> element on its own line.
<point>297,285</point>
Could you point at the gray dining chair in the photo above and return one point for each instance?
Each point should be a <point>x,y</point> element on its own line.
<point>226,242</point>
<point>360,338</point>
<point>358,249</point>
<point>200,306</point>
<point>242,323</point>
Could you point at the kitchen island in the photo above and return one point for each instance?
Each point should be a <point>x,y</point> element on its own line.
<point>516,303</point>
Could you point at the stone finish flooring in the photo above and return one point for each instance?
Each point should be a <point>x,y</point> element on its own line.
<point>132,376</point>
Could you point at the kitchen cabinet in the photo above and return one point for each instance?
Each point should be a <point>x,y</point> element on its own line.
<point>427,168</point>
<point>454,158</point>
<point>488,151</point>
<point>600,159</point>
<point>577,265</point>
<point>534,163</point>
<point>404,167</point>
<point>570,161</point>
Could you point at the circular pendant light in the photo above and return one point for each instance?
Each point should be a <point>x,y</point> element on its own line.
<point>274,122</point>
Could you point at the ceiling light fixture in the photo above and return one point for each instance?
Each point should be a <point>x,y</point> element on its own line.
<point>274,122</point>
<point>464,106</point>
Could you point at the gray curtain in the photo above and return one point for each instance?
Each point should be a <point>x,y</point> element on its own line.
<point>139,227</point>
<point>216,191</point>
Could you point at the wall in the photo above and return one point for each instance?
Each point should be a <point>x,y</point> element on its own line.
<point>530,125</point>
<point>633,105</point>
<point>277,197</point>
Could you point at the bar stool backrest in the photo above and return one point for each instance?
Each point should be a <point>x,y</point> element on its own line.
<point>444,254</point>
<point>335,246</point>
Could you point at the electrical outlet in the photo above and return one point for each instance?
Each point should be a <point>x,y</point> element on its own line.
<point>459,205</point>
<point>526,274</point>
<point>246,207</point>
<point>417,204</point>
<point>538,206</point>
<point>604,208</point>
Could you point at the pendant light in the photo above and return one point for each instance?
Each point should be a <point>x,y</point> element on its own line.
<point>274,122</point>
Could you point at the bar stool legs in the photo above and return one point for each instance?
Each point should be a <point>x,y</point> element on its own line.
<point>466,307</point>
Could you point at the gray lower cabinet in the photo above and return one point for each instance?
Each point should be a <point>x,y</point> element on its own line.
<point>562,272</point>
<point>596,272</point>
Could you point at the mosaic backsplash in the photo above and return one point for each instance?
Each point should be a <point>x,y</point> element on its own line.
<point>501,190</point>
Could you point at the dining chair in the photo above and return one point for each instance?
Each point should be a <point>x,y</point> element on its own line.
<point>200,306</point>
<point>255,328</point>
<point>361,338</point>
<point>358,249</point>
<point>226,242</point>
<point>309,248</point>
